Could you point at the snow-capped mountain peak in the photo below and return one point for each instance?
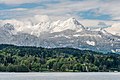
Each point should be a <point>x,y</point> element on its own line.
<point>59,25</point>
<point>71,24</point>
<point>61,33</point>
<point>73,21</point>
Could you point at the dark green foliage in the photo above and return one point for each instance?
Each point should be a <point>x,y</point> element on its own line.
<point>36,59</point>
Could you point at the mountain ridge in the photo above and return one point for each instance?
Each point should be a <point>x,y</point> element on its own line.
<point>68,33</point>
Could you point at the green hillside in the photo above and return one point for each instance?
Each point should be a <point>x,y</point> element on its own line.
<point>37,59</point>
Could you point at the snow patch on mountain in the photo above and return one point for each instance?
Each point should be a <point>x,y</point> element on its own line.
<point>92,43</point>
<point>57,36</point>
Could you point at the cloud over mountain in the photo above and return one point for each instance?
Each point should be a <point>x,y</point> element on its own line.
<point>114,29</point>
<point>86,10</point>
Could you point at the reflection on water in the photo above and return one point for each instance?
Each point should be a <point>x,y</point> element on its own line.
<point>60,76</point>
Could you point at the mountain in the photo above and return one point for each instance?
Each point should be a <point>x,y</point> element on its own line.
<point>71,24</point>
<point>52,34</point>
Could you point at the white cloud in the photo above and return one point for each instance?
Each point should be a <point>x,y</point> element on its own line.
<point>95,23</point>
<point>114,29</point>
<point>110,8</point>
<point>66,9</point>
<point>10,2</point>
<point>71,7</point>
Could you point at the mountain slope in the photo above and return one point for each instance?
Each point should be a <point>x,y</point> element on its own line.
<point>52,34</point>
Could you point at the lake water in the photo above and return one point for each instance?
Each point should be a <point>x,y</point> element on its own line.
<point>60,76</point>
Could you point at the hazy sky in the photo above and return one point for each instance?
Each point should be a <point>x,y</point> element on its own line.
<point>89,12</point>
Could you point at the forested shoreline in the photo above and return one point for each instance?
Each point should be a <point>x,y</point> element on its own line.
<point>38,59</point>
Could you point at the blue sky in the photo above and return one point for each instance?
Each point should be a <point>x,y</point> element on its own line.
<point>89,10</point>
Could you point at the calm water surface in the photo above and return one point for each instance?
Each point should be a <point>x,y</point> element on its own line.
<point>60,76</point>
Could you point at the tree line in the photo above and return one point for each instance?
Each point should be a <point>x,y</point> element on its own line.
<point>38,59</point>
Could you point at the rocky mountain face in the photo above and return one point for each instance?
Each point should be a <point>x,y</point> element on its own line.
<point>52,34</point>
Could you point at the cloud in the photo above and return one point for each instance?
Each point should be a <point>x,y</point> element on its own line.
<point>11,2</point>
<point>63,9</point>
<point>99,7</point>
<point>114,29</point>
<point>96,23</point>
<point>102,9</point>
<point>18,2</point>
